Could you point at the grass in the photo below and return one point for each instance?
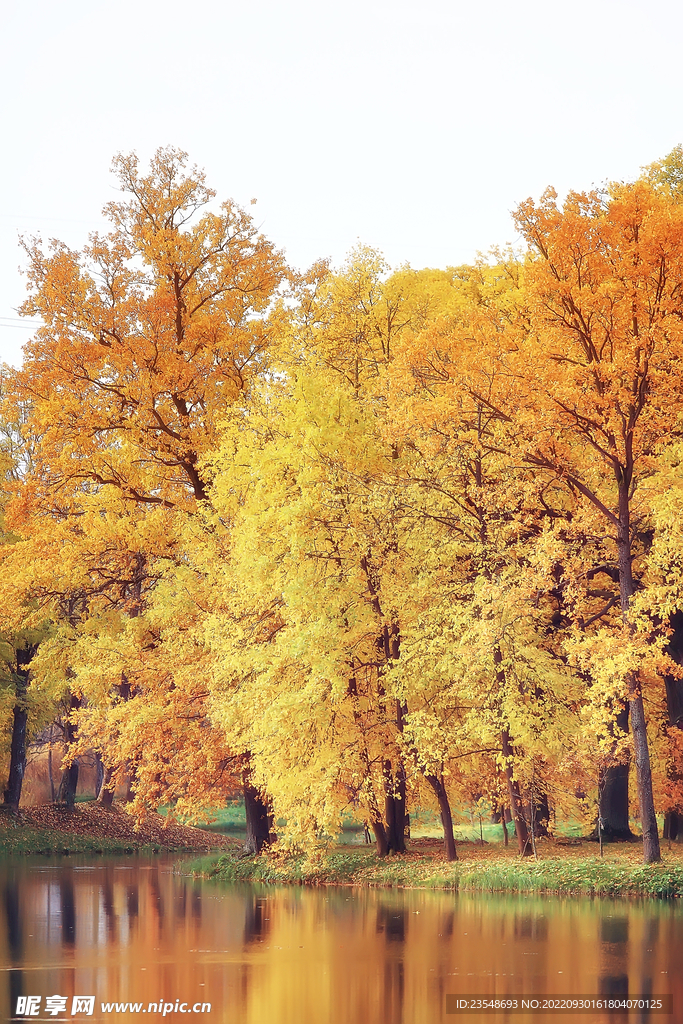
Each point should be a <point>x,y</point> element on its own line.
<point>574,870</point>
<point>424,824</point>
<point>229,820</point>
<point>24,840</point>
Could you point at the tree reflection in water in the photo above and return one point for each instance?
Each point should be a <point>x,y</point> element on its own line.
<point>140,930</point>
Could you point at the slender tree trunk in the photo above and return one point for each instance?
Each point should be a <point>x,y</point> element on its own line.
<point>514,795</point>
<point>395,783</point>
<point>499,812</point>
<point>648,819</point>
<point>50,774</point>
<point>376,822</point>
<point>260,831</point>
<point>446,816</point>
<point>521,829</point>
<point>99,773</point>
<point>541,816</point>
<point>17,766</point>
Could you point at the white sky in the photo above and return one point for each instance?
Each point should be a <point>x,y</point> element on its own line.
<point>412,127</point>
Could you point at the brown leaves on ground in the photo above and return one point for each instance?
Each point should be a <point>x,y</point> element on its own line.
<point>113,823</point>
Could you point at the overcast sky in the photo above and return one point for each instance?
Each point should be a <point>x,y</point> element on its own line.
<point>414,127</point>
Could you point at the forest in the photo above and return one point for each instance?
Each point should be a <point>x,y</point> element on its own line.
<point>354,540</point>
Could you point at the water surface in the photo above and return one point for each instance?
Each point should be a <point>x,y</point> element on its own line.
<point>138,930</point>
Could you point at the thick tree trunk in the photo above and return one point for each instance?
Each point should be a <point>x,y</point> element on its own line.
<point>68,785</point>
<point>648,819</point>
<point>613,803</point>
<point>673,819</point>
<point>380,834</point>
<point>129,783</point>
<point>613,796</point>
<point>69,782</point>
<point>395,807</point>
<point>17,765</point>
<point>259,818</point>
<point>446,816</point>
<point>537,812</point>
<point>521,829</point>
<point>105,795</point>
<point>673,826</point>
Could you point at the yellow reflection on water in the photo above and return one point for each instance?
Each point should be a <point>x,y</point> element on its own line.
<point>136,931</point>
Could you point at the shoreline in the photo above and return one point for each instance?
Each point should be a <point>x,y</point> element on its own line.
<point>560,870</point>
<point>563,868</point>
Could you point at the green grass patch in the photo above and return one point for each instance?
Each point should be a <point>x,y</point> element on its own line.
<point>230,820</point>
<point>570,876</point>
<point>24,840</point>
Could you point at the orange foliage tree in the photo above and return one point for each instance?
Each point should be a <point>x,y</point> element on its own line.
<point>149,334</point>
<point>601,386</point>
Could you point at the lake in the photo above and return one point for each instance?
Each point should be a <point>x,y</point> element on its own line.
<point>137,930</point>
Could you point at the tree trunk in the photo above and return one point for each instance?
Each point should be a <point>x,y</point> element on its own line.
<point>515,799</point>
<point>395,807</point>
<point>259,817</point>
<point>50,771</point>
<point>613,796</point>
<point>500,814</point>
<point>446,816</point>
<point>541,814</point>
<point>380,834</point>
<point>99,773</point>
<point>68,785</point>
<point>105,795</point>
<point>521,829</point>
<point>17,766</point>
<point>376,823</point>
<point>129,783</point>
<point>648,819</point>
<point>673,819</point>
<point>69,781</point>
<point>613,803</point>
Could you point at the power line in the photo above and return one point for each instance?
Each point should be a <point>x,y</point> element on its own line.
<point>20,322</point>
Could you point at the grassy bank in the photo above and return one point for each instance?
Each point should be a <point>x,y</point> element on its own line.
<point>48,842</point>
<point>574,870</point>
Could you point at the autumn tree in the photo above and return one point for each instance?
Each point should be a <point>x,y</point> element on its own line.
<point>600,384</point>
<point>150,333</point>
<point>21,628</point>
<point>481,649</point>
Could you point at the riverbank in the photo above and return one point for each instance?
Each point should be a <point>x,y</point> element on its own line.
<point>563,868</point>
<point>91,828</point>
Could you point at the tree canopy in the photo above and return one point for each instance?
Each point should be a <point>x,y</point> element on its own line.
<point>357,540</point>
